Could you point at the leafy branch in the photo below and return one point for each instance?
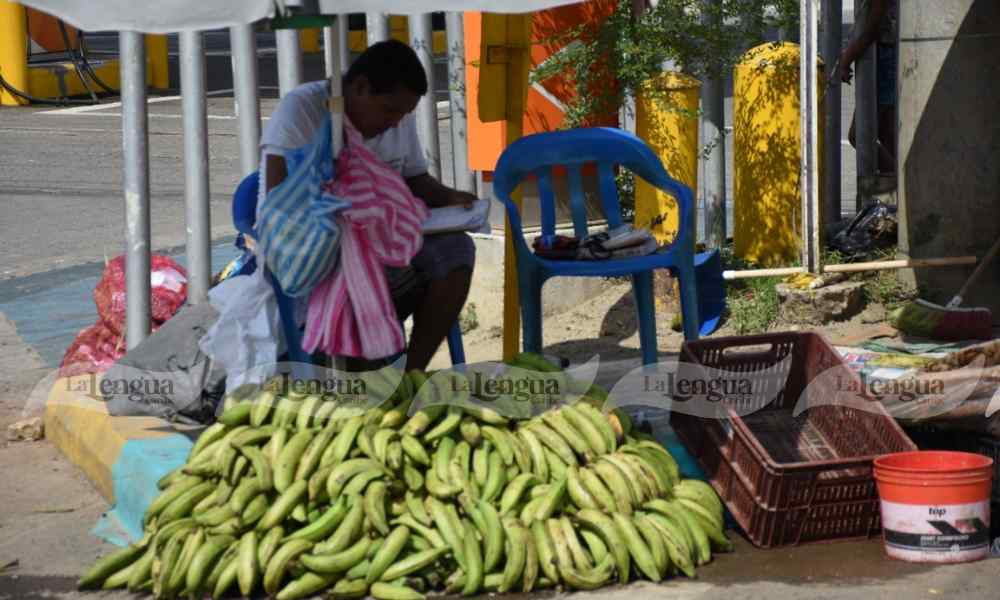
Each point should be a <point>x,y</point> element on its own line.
<point>618,58</point>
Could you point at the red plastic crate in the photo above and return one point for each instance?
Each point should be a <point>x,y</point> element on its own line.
<point>790,480</point>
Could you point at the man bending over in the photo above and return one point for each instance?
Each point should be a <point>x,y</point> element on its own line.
<point>381,90</point>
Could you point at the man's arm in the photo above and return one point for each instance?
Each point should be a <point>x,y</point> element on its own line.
<point>276,171</point>
<point>857,47</point>
<point>435,194</point>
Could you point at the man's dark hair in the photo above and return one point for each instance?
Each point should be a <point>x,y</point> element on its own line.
<point>389,64</point>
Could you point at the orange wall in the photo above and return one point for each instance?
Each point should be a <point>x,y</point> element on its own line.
<point>486,139</point>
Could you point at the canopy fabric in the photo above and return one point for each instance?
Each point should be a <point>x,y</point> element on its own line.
<point>168,16</point>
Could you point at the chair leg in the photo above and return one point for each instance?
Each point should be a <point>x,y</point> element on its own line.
<point>689,304</point>
<point>642,287</point>
<point>530,293</point>
<point>455,347</point>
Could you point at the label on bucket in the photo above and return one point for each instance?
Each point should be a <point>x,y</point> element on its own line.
<point>950,533</point>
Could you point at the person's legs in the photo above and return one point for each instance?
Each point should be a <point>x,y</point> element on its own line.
<point>445,262</point>
<point>887,138</point>
<point>436,315</point>
<point>887,67</point>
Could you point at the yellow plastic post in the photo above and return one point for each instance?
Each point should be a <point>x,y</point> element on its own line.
<point>767,211</point>
<point>309,40</point>
<point>504,64</point>
<point>156,58</point>
<point>13,51</point>
<point>667,120</point>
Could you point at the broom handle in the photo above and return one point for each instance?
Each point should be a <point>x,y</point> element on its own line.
<point>983,264</point>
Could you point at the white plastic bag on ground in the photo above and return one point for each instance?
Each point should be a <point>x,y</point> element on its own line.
<point>248,333</point>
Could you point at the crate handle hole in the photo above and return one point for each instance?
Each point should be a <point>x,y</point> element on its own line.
<point>752,350</point>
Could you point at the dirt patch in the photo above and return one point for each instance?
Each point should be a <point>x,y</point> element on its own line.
<point>606,325</point>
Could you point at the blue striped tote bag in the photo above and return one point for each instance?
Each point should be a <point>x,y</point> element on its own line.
<point>298,231</point>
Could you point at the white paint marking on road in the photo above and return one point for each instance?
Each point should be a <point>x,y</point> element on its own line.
<point>171,116</point>
<point>75,110</point>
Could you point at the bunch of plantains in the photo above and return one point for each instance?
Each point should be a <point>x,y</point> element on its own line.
<point>296,495</point>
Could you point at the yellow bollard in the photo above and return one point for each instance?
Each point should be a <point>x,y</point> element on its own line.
<point>309,40</point>
<point>767,211</point>
<point>157,59</point>
<point>13,52</point>
<point>667,120</point>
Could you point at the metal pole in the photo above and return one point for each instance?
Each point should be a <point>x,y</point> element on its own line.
<point>135,150</point>
<point>422,40</point>
<point>465,179</point>
<point>865,111</point>
<point>377,26</point>
<point>809,120</point>
<point>713,128</point>
<point>832,126</point>
<point>289,59</point>
<point>714,181</point>
<point>336,103</point>
<point>329,63</point>
<point>343,41</point>
<point>245,93</point>
<point>196,193</point>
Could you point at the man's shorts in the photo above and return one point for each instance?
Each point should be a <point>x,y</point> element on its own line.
<point>440,254</point>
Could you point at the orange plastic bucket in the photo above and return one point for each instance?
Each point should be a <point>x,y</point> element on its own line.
<point>935,505</point>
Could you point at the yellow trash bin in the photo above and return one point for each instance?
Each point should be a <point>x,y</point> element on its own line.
<point>13,54</point>
<point>667,120</point>
<point>767,211</point>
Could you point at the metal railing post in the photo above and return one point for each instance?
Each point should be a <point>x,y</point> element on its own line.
<point>246,96</point>
<point>289,59</point>
<point>809,116</point>
<point>196,193</point>
<point>465,179</point>
<point>422,41</point>
<point>135,151</point>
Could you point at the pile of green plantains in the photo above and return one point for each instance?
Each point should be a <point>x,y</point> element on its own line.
<point>296,495</point>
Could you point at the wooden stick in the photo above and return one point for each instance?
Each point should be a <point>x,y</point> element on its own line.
<point>748,273</point>
<point>910,263</point>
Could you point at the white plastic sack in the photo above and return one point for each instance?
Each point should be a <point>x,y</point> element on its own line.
<point>248,333</point>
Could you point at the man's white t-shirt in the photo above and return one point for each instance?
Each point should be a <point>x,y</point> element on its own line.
<point>301,112</point>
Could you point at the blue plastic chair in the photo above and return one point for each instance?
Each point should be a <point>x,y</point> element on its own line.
<point>244,218</point>
<point>536,155</point>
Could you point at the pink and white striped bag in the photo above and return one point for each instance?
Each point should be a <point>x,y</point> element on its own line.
<point>351,312</point>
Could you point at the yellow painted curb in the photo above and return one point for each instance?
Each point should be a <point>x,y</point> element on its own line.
<point>80,426</point>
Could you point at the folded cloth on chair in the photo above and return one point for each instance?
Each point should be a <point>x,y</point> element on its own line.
<point>351,312</point>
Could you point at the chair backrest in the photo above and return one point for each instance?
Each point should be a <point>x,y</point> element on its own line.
<point>245,203</point>
<point>536,155</point>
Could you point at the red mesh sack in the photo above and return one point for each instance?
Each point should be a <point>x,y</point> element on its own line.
<point>94,350</point>
<point>168,281</point>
